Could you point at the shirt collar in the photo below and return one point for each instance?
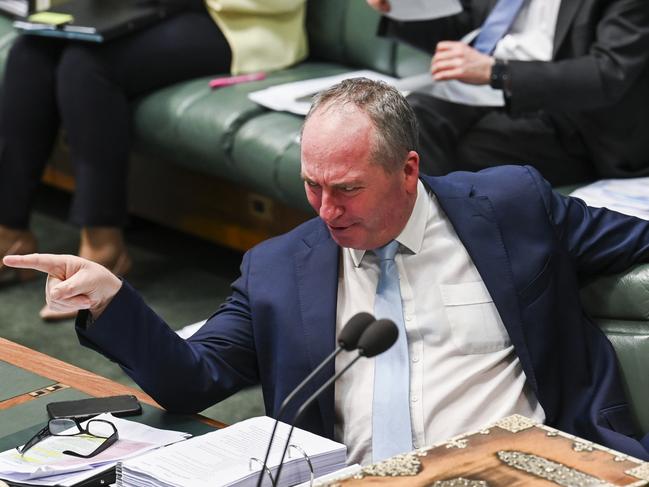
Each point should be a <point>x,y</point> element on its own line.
<point>412,235</point>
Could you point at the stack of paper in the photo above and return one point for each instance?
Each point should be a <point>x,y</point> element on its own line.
<point>233,457</point>
<point>628,196</point>
<point>46,464</point>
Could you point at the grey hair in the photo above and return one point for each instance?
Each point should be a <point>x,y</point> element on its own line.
<point>395,123</point>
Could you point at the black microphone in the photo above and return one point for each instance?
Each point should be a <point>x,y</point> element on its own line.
<point>348,340</point>
<point>377,338</point>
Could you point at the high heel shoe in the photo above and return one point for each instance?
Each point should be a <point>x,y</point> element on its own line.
<point>120,267</point>
<point>24,244</point>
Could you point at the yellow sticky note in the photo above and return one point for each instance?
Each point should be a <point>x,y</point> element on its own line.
<point>50,18</point>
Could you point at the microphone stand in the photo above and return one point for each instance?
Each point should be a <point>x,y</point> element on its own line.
<point>282,409</point>
<point>304,407</point>
<point>347,340</point>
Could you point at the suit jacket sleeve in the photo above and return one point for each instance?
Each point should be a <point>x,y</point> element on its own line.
<point>182,376</point>
<point>600,241</point>
<point>599,77</point>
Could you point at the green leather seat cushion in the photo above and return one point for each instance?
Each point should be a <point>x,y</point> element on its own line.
<point>631,342</point>
<point>7,36</point>
<point>620,306</point>
<point>622,296</point>
<point>195,126</point>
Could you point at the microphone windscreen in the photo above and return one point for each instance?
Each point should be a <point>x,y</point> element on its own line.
<point>378,337</point>
<point>352,331</point>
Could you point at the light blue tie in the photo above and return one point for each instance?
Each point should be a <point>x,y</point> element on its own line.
<point>391,430</point>
<point>497,24</point>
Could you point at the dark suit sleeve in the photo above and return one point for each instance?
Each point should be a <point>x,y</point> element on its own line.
<point>600,241</point>
<point>614,61</point>
<point>182,376</point>
<point>426,34</point>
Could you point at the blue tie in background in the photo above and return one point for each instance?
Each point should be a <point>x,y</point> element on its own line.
<point>497,24</point>
<point>391,429</point>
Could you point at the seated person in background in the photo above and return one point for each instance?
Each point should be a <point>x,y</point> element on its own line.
<point>575,80</point>
<point>87,89</point>
<point>486,297</point>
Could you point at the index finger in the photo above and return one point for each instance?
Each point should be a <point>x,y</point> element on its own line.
<point>48,263</point>
<point>446,45</point>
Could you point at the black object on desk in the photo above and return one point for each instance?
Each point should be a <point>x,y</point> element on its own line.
<point>126,405</point>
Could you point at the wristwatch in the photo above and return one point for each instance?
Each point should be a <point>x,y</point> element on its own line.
<point>500,76</point>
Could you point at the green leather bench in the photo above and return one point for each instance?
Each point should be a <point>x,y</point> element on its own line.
<point>620,306</point>
<point>215,164</point>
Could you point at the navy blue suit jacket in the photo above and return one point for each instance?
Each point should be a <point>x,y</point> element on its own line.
<point>531,246</point>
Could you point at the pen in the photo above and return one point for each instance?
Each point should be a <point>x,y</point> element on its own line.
<point>233,80</point>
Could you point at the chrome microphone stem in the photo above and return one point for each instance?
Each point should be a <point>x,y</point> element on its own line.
<point>285,404</point>
<point>304,407</point>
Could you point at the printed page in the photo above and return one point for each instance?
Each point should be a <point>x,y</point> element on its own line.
<point>423,9</point>
<point>628,196</point>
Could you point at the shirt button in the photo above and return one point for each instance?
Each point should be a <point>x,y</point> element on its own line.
<point>414,399</point>
<point>415,358</point>
<point>408,318</point>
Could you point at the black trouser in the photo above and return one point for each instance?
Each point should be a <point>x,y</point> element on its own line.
<point>87,88</point>
<point>459,137</point>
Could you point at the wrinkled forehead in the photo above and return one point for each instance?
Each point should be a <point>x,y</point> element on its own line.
<point>328,129</point>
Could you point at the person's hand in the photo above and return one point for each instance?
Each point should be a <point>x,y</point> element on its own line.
<point>73,283</point>
<point>458,61</point>
<point>382,6</point>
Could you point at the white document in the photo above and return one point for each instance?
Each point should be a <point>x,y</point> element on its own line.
<point>46,464</point>
<point>296,97</point>
<point>628,196</point>
<point>423,9</point>
<point>223,458</point>
<point>453,91</point>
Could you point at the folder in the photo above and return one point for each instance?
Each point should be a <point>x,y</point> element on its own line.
<point>100,20</point>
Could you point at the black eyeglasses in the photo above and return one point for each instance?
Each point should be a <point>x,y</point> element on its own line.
<point>97,428</point>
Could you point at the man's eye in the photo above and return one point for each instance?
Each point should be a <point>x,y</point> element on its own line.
<point>311,184</point>
<point>349,189</point>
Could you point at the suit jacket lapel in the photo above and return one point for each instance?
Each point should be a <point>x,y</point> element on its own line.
<point>567,12</point>
<point>317,279</point>
<point>475,223</point>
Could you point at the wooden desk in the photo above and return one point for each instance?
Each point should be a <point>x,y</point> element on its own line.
<point>67,375</point>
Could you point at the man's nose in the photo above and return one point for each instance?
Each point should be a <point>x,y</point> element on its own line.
<point>329,210</point>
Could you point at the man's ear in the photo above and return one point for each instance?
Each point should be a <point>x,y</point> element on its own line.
<point>411,172</point>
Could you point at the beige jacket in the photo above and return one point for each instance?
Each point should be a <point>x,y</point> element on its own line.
<point>263,34</point>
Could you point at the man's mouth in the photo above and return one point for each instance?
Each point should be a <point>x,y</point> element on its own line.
<point>339,228</point>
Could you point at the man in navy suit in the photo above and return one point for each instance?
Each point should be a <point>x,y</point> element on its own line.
<point>489,266</point>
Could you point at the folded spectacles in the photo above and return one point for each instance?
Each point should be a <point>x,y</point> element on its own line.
<point>97,428</point>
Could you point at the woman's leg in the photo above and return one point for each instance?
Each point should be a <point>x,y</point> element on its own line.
<point>95,86</point>
<point>29,123</point>
<point>28,126</point>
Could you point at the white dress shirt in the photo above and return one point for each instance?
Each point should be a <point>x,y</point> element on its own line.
<point>531,37</point>
<point>463,369</point>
